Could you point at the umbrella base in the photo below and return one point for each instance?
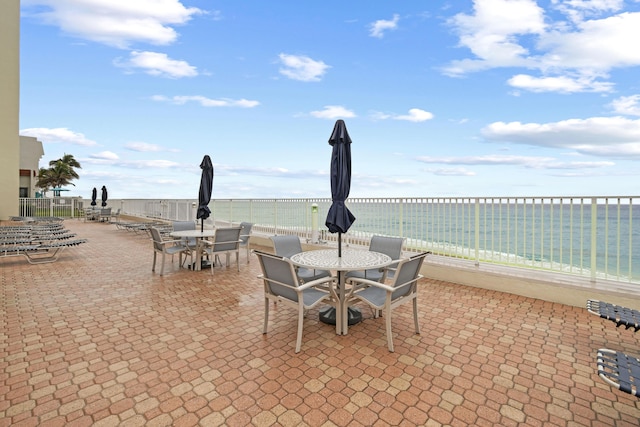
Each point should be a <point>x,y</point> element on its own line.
<point>204,264</point>
<point>328,316</point>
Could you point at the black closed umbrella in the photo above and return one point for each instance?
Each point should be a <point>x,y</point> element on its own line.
<point>94,196</point>
<point>206,187</point>
<point>104,196</point>
<point>339,218</point>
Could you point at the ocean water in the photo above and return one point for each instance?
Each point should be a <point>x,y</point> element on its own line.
<point>566,235</point>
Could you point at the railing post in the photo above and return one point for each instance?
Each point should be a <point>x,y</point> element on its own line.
<point>477,231</point>
<point>594,218</point>
<point>400,218</point>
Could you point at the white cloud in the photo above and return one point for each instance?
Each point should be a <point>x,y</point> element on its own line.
<point>333,112</point>
<point>105,155</point>
<point>207,102</point>
<point>571,54</point>
<point>491,34</point>
<point>415,115</point>
<point>627,105</point>
<point>578,10</point>
<point>531,162</point>
<point>302,68</point>
<point>602,136</point>
<point>453,172</point>
<point>142,147</point>
<point>562,84</point>
<point>115,22</point>
<point>528,161</point>
<point>58,135</point>
<point>158,64</point>
<point>378,28</point>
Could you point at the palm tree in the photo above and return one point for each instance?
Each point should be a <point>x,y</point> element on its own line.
<point>44,180</point>
<point>61,172</point>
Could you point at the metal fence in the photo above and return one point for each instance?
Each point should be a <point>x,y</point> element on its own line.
<point>596,237</point>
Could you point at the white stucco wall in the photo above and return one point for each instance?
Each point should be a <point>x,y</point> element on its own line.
<point>9,107</point>
<point>31,152</point>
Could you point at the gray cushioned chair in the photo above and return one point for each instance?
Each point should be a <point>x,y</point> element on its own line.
<point>281,284</point>
<point>391,246</point>
<point>289,245</point>
<point>385,298</point>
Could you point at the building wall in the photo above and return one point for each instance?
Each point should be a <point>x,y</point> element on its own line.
<point>31,152</point>
<point>9,107</point>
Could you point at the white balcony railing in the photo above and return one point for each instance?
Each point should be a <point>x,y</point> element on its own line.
<point>596,237</point>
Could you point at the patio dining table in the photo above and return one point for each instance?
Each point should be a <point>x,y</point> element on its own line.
<point>351,260</point>
<point>198,235</point>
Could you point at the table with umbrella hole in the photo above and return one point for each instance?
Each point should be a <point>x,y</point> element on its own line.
<point>198,235</point>
<point>351,260</point>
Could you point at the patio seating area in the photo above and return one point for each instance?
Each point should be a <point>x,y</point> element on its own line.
<point>98,339</point>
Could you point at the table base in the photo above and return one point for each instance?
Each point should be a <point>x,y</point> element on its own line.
<point>328,316</point>
<point>204,264</point>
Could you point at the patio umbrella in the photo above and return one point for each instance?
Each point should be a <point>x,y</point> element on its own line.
<point>104,196</point>
<point>339,218</point>
<point>94,196</point>
<point>206,187</point>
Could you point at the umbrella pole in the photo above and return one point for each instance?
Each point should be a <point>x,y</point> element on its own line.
<point>339,245</point>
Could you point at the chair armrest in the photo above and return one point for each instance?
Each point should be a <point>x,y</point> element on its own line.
<point>166,242</point>
<point>360,283</point>
<point>317,282</point>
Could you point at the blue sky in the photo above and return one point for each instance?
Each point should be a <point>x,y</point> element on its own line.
<point>441,98</point>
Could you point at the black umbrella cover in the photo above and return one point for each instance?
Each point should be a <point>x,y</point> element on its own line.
<point>94,196</point>
<point>104,196</point>
<point>206,187</point>
<point>339,218</point>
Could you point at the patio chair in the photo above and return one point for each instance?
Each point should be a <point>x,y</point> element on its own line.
<point>189,242</point>
<point>289,245</point>
<point>245,234</point>
<point>226,241</point>
<point>381,297</point>
<point>166,247</point>
<point>391,246</point>
<point>105,215</point>
<point>91,214</point>
<point>115,218</point>
<point>281,284</point>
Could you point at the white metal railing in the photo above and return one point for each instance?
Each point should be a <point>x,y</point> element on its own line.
<point>596,237</point>
<point>64,207</point>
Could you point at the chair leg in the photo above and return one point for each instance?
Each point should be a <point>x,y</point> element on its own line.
<point>266,315</point>
<point>238,260</point>
<point>415,315</point>
<point>153,268</point>
<point>388,321</point>
<point>162,268</point>
<point>300,324</point>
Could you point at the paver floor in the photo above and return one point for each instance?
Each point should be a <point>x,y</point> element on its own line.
<point>97,339</point>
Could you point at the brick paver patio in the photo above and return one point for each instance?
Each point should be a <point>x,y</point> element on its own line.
<point>96,338</point>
